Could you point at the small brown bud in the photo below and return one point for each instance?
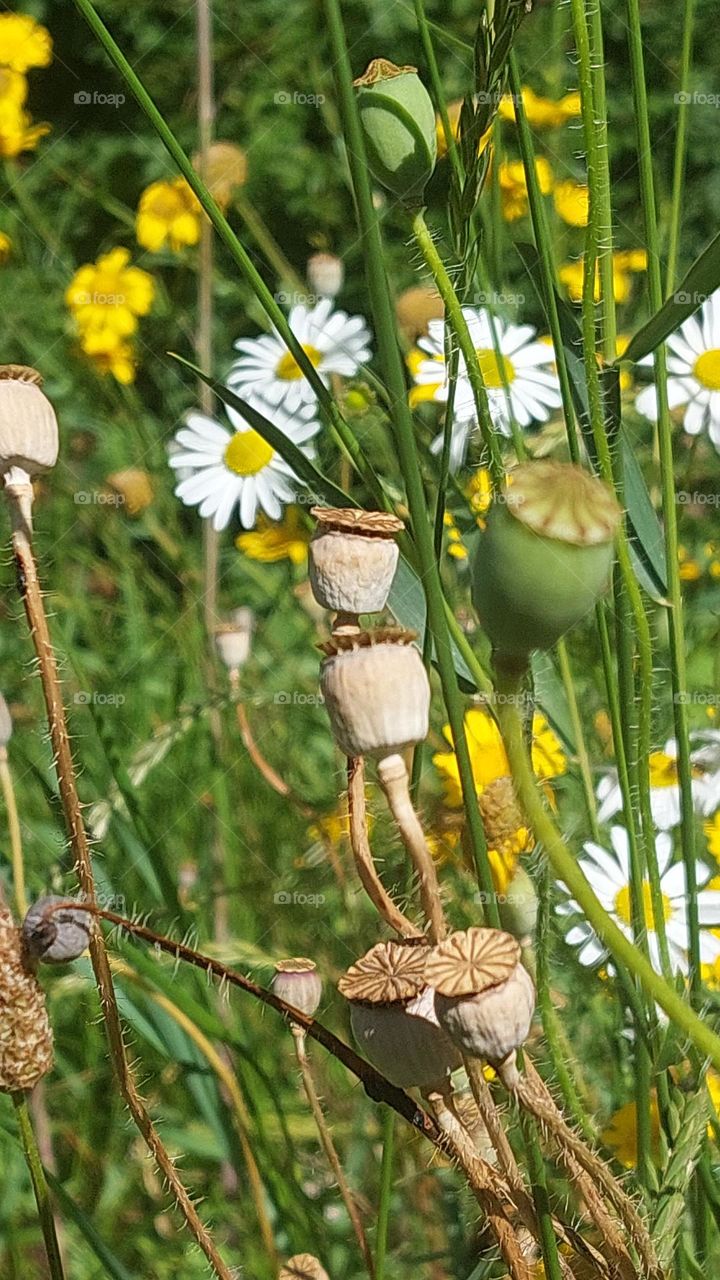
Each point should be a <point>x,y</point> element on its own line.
<point>224,170</point>
<point>55,936</point>
<point>298,982</point>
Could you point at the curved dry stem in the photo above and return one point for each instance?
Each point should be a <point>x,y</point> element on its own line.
<point>263,766</point>
<point>533,1094</point>
<point>362,853</point>
<point>330,1150</point>
<point>32,599</point>
<point>487,1186</point>
<point>395,783</point>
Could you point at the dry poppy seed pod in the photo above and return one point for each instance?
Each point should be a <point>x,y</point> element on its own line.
<point>484,998</point>
<point>25,1036</point>
<point>55,937</point>
<point>353,558</point>
<point>376,692</point>
<point>298,982</point>
<point>325,274</point>
<point>134,487</point>
<point>223,169</point>
<point>545,556</point>
<point>303,1267</point>
<point>28,427</point>
<point>398,121</point>
<point>233,639</point>
<point>5,725</point>
<point>415,308</point>
<point>393,1018</point>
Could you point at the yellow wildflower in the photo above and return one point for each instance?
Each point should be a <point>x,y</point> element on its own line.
<point>621,1133</point>
<point>23,42</point>
<point>712,835</point>
<point>624,263</point>
<point>5,247</point>
<point>17,132</point>
<point>110,354</point>
<point>273,540</point>
<point>168,213</point>
<point>488,758</point>
<point>690,570</point>
<point>453,111</point>
<point>479,492</point>
<point>572,202</point>
<point>106,298</point>
<point>542,113</point>
<point>423,393</point>
<point>454,538</point>
<point>513,187</point>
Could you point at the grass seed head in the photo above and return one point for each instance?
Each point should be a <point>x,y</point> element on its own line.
<point>26,1043</point>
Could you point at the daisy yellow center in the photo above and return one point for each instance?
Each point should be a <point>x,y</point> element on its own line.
<point>707,369</point>
<point>288,368</point>
<point>495,373</point>
<point>623,906</point>
<point>247,453</point>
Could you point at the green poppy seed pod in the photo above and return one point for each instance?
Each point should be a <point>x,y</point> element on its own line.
<point>518,906</point>
<point>398,121</point>
<point>28,426</point>
<point>376,692</point>
<point>297,982</point>
<point>545,556</point>
<point>484,997</point>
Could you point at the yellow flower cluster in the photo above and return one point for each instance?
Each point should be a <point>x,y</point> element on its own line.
<point>5,247</point>
<point>273,540</point>
<point>168,214</point>
<point>625,264</point>
<point>704,563</point>
<point>23,44</point>
<point>542,113</point>
<point>105,298</point>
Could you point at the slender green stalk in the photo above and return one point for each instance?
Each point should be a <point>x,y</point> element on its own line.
<point>437,86</point>
<point>226,235</point>
<point>458,324</point>
<point>566,675</point>
<point>40,1186</point>
<point>566,867</point>
<point>546,255</point>
<point>669,506</point>
<point>683,100</point>
<point>15,835</point>
<point>538,1182</point>
<point>267,244</point>
<point>601,180</point>
<point>405,441</point>
<point>386,1190</point>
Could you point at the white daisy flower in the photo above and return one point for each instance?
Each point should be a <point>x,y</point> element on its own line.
<point>333,342</point>
<point>664,785</point>
<point>518,375</point>
<point>236,468</point>
<point>694,369</point>
<point>609,876</point>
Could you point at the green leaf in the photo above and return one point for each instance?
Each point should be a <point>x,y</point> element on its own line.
<point>550,696</point>
<point>113,1266</point>
<point>702,279</point>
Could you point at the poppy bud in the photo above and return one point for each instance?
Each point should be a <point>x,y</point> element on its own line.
<point>544,559</point>
<point>398,121</point>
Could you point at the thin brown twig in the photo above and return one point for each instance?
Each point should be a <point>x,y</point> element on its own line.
<point>271,776</point>
<point>362,853</point>
<point>29,587</point>
<point>330,1150</point>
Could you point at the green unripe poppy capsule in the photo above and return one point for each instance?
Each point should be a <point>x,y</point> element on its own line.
<point>398,121</point>
<point>518,906</point>
<point>545,556</point>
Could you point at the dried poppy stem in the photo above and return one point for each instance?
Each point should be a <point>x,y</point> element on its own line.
<point>271,776</point>
<point>395,783</point>
<point>486,1185</point>
<point>329,1148</point>
<point>20,497</point>
<point>369,878</point>
<point>532,1093</point>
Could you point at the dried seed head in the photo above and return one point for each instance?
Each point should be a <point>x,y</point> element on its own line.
<point>134,487</point>
<point>303,1267</point>
<point>325,274</point>
<point>503,819</point>
<point>298,982</point>
<point>25,1036</point>
<point>415,308</point>
<point>224,170</point>
<point>389,972</point>
<point>234,637</point>
<point>5,724</point>
<point>55,937</point>
<point>472,960</point>
<point>376,692</point>
<point>28,426</point>
<point>353,558</point>
<point>484,998</point>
